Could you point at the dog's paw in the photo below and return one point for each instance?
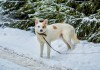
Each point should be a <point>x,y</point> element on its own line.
<point>72,48</point>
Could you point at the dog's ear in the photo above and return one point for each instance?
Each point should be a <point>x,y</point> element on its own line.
<point>36,21</point>
<point>45,21</point>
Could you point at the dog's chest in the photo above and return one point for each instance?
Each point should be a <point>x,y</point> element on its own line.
<point>40,38</point>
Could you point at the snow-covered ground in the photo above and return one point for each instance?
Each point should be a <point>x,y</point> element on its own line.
<point>7,65</point>
<point>22,47</point>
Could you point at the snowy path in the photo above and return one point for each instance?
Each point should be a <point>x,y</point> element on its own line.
<point>23,60</point>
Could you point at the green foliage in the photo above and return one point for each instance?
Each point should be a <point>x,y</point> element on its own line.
<point>24,11</point>
<point>89,30</point>
<point>68,11</point>
<point>12,5</point>
<point>22,24</point>
<point>98,12</point>
<point>61,1</point>
<point>89,7</point>
<point>72,3</point>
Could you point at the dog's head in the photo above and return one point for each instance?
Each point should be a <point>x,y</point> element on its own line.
<point>40,27</point>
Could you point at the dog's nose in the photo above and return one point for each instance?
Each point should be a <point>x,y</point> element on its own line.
<point>41,30</point>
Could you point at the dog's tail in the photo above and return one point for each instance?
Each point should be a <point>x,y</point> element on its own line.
<point>75,39</point>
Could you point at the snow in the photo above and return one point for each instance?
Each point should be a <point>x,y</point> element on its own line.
<point>89,19</point>
<point>85,56</point>
<point>7,65</point>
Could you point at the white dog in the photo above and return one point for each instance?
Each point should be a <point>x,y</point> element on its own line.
<point>53,32</point>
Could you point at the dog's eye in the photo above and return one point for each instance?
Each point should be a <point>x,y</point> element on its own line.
<point>43,27</point>
<point>38,26</point>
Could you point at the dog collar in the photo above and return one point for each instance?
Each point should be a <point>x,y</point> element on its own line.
<point>42,34</point>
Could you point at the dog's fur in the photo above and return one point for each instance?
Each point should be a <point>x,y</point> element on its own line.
<point>53,32</point>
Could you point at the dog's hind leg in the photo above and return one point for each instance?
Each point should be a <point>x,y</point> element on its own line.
<point>67,39</point>
<point>66,42</point>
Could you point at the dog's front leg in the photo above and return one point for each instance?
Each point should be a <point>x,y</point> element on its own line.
<point>41,49</point>
<point>48,49</point>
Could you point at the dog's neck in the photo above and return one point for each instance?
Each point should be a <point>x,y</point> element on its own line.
<point>44,34</point>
